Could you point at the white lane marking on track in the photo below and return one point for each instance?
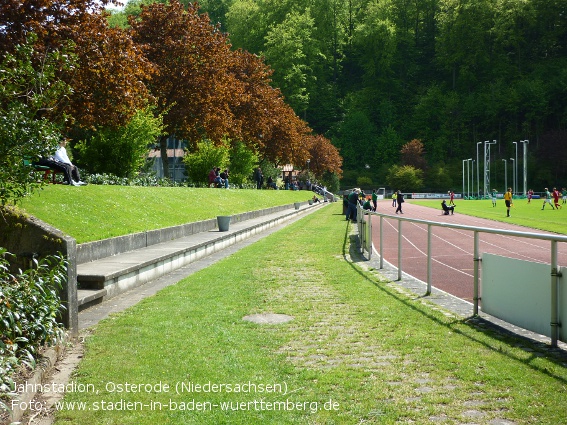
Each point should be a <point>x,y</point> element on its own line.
<point>433,258</point>
<point>516,240</point>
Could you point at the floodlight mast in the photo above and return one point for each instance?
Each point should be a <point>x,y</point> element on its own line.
<point>469,178</point>
<point>505,173</point>
<point>477,173</point>
<point>487,164</point>
<point>525,165</point>
<point>516,168</point>
<point>464,160</point>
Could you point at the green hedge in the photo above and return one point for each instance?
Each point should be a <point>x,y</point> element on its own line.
<point>30,309</point>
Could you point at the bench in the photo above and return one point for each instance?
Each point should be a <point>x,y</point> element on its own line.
<point>47,171</point>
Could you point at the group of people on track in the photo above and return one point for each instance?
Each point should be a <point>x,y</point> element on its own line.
<point>358,196</point>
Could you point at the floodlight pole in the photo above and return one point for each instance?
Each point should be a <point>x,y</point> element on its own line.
<point>477,173</point>
<point>472,177</point>
<point>469,186</point>
<point>525,165</point>
<point>516,168</point>
<point>513,171</point>
<point>464,178</point>
<point>487,163</point>
<point>505,174</point>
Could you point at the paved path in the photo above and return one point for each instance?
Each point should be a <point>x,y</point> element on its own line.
<point>452,249</point>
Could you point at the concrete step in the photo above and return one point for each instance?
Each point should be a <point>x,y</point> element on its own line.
<point>88,297</point>
<point>107,277</point>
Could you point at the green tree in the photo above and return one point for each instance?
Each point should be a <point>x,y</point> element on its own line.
<point>245,26</point>
<point>242,162</point>
<point>206,156</point>
<point>357,140</point>
<point>290,50</point>
<point>405,178</point>
<point>121,151</point>
<point>438,179</point>
<point>27,90</point>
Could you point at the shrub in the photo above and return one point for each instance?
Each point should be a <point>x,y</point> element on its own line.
<point>405,178</point>
<point>140,180</point>
<point>208,155</point>
<point>121,151</point>
<point>30,309</point>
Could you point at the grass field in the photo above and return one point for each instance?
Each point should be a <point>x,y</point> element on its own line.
<point>522,213</point>
<point>358,351</point>
<point>95,212</point>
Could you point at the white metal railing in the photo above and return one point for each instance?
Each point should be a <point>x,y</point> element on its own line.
<point>366,243</point>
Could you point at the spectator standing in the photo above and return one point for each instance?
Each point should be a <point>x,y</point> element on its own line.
<point>400,201</point>
<point>508,201</point>
<point>259,178</point>
<point>374,200</point>
<point>394,198</point>
<point>352,205</point>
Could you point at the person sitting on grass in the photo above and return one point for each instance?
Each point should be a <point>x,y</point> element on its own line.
<point>447,208</point>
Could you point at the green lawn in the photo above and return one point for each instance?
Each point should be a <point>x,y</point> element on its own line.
<point>357,351</point>
<point>97,212</point>
<point>522,213</point>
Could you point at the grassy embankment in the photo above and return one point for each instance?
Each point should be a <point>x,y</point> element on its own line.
<point>97,212</point>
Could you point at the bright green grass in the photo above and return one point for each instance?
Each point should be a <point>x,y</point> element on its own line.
<point>380,356</point>
<point>522,213</point>
<point>96,212</point>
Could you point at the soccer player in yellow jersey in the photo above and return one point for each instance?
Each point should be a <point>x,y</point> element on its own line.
<point>508,201</point>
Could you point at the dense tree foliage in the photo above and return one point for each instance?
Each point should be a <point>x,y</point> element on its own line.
<point>119,151</point>
<point>107,86</point>
<point>167,58</point>
<point>205,90</point>
<point>374,75</point>
<point>27,92</point>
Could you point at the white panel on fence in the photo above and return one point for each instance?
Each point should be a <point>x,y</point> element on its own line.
<point>518,292</point>
<point>562,309</point>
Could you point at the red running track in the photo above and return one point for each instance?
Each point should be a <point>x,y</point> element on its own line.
<point>452,249</point>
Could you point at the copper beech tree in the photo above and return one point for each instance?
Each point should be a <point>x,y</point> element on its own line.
<point>206,90</point>
<point>173,57</point>
<point>107,81</point>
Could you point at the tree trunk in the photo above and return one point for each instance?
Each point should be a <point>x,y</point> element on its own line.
<point>164,158</point>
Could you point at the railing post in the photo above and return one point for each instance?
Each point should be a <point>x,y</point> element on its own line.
<point>554,295</point>
<point>476,261</point>
<point>399,249</point>
<point>369,242</point>
<point>362,230</point>
<point>381,242</point>
<point>429,231</point>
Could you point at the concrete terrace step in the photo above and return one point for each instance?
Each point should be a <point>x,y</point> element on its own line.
<point>106,277</point>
